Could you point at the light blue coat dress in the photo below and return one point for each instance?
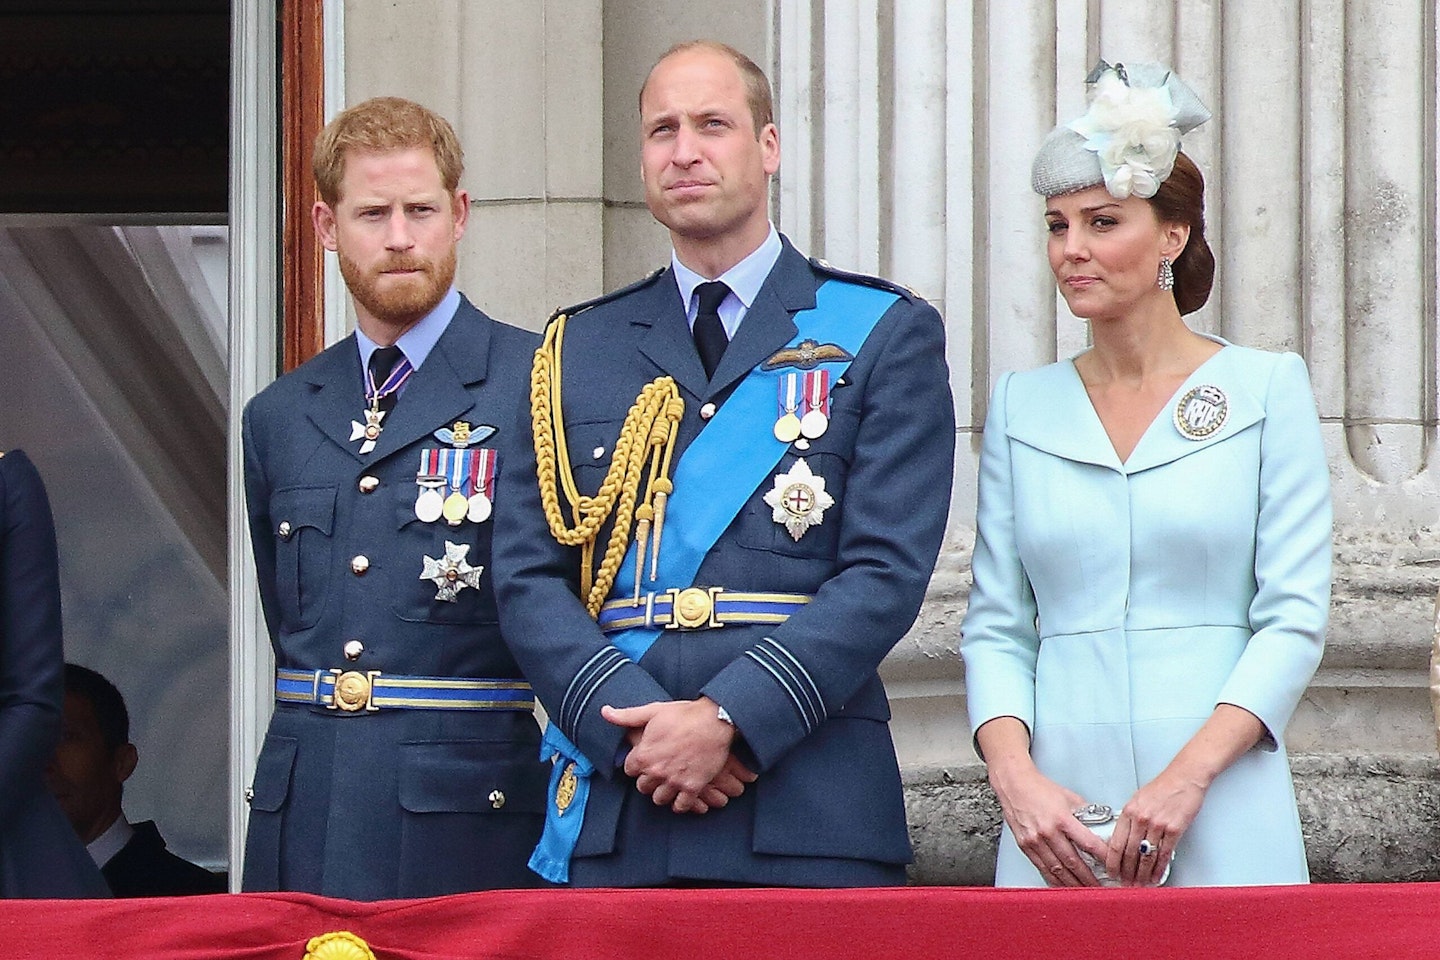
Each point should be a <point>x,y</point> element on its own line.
<point>1115,605</point>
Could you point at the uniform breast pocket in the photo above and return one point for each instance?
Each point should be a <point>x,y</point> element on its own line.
<point>796,511</point>
<point>303,517</point>
<point>472,814</point>
<point>591,446</point>
<point>440,572</point>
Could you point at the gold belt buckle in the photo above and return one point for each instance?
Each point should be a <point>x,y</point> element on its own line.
<point>354,690</point>
<point>693,608</point>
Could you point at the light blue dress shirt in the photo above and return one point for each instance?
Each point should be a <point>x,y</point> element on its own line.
<point>417,342</point>
<point>744,280</point>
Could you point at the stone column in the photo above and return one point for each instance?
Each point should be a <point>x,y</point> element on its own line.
<point>522,83</point>
<point>1322,212</point>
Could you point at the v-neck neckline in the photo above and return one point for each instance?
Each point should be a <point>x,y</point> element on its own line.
<point>1166,407</point>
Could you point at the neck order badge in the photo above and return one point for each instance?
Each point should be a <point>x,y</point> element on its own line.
<point>383,381</point>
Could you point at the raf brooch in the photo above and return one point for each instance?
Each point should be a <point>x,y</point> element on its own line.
<point>1201,412</point>
<point>798,500</point>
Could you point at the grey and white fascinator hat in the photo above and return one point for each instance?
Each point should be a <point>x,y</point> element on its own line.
<point>1127,140</point>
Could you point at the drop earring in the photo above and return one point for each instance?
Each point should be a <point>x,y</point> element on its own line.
<point>1166,280</point>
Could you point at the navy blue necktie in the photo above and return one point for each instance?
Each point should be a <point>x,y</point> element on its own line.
<point>709,332</point>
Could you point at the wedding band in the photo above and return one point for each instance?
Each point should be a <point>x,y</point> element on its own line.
<point>1057,869</point>
<point>1147,848</point>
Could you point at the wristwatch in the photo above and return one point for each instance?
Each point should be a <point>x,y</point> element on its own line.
<point>723,714</point>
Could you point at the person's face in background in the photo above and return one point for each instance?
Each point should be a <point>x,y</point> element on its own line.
<point>86,775</point>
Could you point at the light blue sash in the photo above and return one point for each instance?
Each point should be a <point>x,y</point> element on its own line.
<point>738,445</point>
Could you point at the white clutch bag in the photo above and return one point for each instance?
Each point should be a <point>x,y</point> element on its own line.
<point>1100,818</point>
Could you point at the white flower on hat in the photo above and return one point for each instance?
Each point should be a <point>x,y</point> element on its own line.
<point>1132,131</point>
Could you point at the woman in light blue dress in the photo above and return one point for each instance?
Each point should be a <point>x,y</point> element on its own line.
<point>1152,565</point>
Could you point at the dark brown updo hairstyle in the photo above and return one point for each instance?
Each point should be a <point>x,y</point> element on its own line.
<point>1181,199</point>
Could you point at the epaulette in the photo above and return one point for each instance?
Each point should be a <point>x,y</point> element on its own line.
<point>607,297</point>
<point>880,283</point>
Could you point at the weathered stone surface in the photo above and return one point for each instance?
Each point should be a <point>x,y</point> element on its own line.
<point>954,826</point>
<point>1370,818</point>
<point>1365,818</point>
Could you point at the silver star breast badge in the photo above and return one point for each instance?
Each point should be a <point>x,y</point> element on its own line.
<point>798,500</point>
<point>451,574</point>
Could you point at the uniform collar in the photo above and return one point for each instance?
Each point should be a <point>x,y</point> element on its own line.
<point>744,280</point>
<point>417,342</point>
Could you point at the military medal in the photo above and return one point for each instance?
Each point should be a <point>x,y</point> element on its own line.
<point>1201,412</point>
<point>430,505</point>
<point>457,504</point>
<point>430,502</point>
<point>368,433</point>
<point>798,500</point>
<point>817,402</point>
<point>482,482</point>
<point>451,573</point>
<point>787,426</point>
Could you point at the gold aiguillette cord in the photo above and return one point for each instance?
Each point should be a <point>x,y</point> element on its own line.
<point>647,435</point>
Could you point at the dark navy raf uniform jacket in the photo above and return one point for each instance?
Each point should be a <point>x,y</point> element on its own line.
<point>827,808</point>
<point>396,802</point>
<point>40,854</point>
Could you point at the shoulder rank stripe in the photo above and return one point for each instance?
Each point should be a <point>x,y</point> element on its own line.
<point>865,279</point>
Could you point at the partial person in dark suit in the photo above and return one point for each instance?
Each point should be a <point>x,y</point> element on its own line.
<point>402,757</point>
<point>40,856</point>
<point>87,775</point>
<point>786,473</point>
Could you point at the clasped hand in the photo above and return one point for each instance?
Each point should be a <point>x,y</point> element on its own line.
<point>680,754</point>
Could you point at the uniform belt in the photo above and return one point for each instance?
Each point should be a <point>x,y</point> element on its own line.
<point>699,608</point>
<point>371,690</point>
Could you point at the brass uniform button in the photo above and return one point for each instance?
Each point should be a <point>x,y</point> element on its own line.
<point>369,484</point>
<point>359,564</point>
<point>284,530</point>
<point>353,649</point>
<point>497,799</point>
<point>707,411</point>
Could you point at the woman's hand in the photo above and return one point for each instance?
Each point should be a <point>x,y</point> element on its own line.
<point>1039,811</point>
<point>1158,815</point>
<point>1162,810</point>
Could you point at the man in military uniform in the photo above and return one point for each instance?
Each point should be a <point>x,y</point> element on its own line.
<point>402,758</point>
<point>702,587</point>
